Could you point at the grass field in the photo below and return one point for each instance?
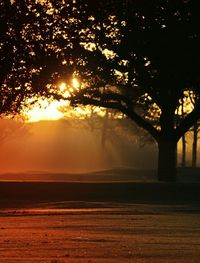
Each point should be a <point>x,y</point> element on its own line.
<point>99,221</point>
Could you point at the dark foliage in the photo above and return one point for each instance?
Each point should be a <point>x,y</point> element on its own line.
<point>132,56</point>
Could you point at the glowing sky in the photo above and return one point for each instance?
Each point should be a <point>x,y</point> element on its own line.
<point>45,110</point>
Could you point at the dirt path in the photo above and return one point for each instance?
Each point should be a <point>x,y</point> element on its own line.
<point>100,233</point>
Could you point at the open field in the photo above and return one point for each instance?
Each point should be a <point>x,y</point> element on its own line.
<point>99,221</point>
<point>100,232</point>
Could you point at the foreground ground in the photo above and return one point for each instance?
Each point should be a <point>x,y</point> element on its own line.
<point>100,232</point>
<point>115,222</point>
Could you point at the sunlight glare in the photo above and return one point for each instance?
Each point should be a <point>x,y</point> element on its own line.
<point>62,87</point>
<point>49,110</point>
<point>75,83</point>
<point>45,111</point>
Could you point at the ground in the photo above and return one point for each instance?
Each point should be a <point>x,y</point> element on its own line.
<point>100,232</point>
<point>96,219</point>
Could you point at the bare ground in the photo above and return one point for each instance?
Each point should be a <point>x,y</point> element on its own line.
<point>98,221</point>
<point>99,232</point>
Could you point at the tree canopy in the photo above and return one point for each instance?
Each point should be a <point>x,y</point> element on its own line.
<point>26,49</point>
<point>134,56</point>
<point>142,55</point>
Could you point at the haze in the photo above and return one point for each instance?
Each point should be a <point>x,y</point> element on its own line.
<point>57,146</point>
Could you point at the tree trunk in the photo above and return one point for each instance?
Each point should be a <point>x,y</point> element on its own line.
<point>167,160</point>
<point>183,157</point>
<point>194,145</point>
<point>183,160</point>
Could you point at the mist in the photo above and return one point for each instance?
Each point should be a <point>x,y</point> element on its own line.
<point>59,146</point>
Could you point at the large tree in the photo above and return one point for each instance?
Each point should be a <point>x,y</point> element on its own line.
<point>137,55</point>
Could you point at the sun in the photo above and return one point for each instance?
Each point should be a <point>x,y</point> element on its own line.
<point>75,83</point>
<point>45,110</point>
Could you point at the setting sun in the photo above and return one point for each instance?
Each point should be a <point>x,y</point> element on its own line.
<point>49,110</point>
<point>75,83</point>
<point>45,111</point>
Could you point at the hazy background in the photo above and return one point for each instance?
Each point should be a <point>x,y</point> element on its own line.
<point>59,146</point>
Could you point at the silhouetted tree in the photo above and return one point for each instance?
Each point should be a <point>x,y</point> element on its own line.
<point>183,138</point>
<point>129,55</point>
<point>8,95</point>
<point>194,144</point>
<point>195,131</point>
<point>140,53</point>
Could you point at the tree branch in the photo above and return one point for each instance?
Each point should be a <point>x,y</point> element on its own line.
<point>128,111</point>
<point>142,123</point>
<point>188,121</point>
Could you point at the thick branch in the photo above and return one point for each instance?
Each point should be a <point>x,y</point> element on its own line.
<point>126,110</point>
<point>142,123</point>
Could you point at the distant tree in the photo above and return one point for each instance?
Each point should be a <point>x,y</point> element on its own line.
<point>195,144</point>
<point>110,125</point>
<point>195,131</point>
<point>183,138</point>
<point>187,105</point>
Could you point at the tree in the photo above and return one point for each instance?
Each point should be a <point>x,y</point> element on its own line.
<point>7,97</point>
<point>187,105</point>
<point>21,60</point>
<point>110,125</point>
<point>129,55</point>
<point>141,53</point>
<point>12,60</point>
<point>195,131</point>
<point>183,138</point>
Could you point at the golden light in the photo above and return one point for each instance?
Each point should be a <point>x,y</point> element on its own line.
<point>75,83</point>
<point>62,87</point>
<point>45,110</point>
<point>64,62</point>
<point>49,110</point>
<point>64,90</point>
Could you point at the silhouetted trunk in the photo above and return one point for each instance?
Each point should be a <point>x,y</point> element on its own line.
<point>194,145</point>
<point>183,158</point>
<point>167,160</point>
